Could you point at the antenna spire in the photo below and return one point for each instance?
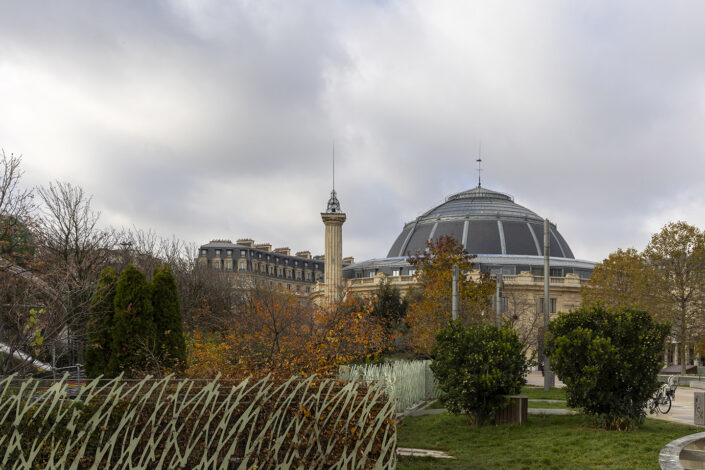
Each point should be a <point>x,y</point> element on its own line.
<point>333,166</point>
<point>479,166</point>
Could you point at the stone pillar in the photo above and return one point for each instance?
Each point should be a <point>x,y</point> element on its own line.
<point>699,408</point>
<point>665,356</point>
<point>333,270</point>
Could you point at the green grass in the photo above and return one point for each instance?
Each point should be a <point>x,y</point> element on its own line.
<point>436,405</point>
<point>543,404</point>
<point>545,442</point>
<point>538,392</point>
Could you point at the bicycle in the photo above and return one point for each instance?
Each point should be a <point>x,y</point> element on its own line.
<point>663,398</point>
<point>661,401</point>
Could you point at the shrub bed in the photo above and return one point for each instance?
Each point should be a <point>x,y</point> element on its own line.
<point>167,423</point>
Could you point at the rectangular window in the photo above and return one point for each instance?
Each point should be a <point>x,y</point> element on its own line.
<point>395,272</point>
<point>217,252</point>
<point>288,286</point>
<point>308,289</point>
<point>557,272</point>
<point>242,265</point>
<point>553,305</point>
<point>412,272</point>
<point>228,266</point>
<point>216,264</point>
<point>204,252</point>
<point>229,252</point>
<point>243,253</point>
<point>372,274</point>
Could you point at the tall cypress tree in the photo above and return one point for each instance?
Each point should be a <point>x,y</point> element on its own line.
<point>171,346</point>
<point>100,323</point>
<point>133,342</point>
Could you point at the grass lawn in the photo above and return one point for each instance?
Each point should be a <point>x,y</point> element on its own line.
<point>538,392</point>
<point>543,404</point>
<point>436,405</point>
<point>545,442</point>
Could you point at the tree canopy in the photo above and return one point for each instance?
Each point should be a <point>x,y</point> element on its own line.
<point>430,306</point>
<point>667,279</point>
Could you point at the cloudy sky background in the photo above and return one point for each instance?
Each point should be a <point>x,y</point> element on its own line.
<point>208,119</point>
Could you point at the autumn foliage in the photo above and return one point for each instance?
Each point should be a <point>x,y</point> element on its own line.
<point>280,334</point>
<point>430,306</point>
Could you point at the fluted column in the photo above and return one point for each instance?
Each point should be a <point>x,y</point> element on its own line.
<point>333,270</point>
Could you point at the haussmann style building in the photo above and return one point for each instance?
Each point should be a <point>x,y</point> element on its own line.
<point>506,238</point>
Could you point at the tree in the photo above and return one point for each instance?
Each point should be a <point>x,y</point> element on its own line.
<point>618,282</point>
<point>100,324</point>
<point>389,308</point>
<point>675,282</point>
<point>73,250</point>
<point>170,344</point>
<point>133,342</point>
<point>277,333</point>
<point>430,310</point>
<point>16,207</point>
<point>477,367</point>
<point>608,360</point>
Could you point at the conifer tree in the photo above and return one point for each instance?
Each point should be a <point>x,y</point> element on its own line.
<point>100,324</point>
<point>133,340</point>
<point>171,347</point>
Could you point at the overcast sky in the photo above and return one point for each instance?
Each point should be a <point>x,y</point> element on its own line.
<point>209,119</point>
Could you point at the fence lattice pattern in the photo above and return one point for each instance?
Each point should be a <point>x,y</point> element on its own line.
<point>406,382</point>
<point>171,424</point>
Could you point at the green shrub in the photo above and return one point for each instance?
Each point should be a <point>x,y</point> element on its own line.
<point>133,335</point>
<point>100,324</point>
<point>310,423</point>
<point>608,361</point>
<point>170,346</point>
<point>477,367</point>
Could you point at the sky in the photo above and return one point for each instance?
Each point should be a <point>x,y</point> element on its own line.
<point>218,119</point>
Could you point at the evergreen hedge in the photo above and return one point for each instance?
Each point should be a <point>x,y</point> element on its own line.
<point>133,333</point>
<point>100,324</point>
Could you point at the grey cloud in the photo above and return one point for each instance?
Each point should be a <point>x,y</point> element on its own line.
<point>212,119</point>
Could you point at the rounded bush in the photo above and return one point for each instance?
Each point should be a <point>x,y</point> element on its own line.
<point>477,367</point>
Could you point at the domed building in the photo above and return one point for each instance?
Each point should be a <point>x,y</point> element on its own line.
<point>507,239</point>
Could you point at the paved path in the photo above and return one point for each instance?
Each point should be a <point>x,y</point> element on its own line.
<point>681,412</point>
<point>536,379</point>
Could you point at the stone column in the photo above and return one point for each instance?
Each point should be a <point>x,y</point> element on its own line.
<point>665,356</point>
<point>333,270</point>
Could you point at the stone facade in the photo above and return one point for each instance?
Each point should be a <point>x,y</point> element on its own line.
<point>333,279</point>
<point>251,265</point>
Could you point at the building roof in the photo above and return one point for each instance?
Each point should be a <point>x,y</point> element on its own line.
<point>486,222</point>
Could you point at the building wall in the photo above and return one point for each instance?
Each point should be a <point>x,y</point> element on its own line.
<point>252,266</point>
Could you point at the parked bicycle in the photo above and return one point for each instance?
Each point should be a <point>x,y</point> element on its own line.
<point>663,398</point>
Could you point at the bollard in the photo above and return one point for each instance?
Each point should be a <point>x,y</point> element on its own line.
<point>699,408</point>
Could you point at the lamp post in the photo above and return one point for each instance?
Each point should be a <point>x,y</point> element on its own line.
<point>547,376</point>
<point>454,299</point>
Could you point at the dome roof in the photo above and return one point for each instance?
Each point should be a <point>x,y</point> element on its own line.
<point>486,222</point>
